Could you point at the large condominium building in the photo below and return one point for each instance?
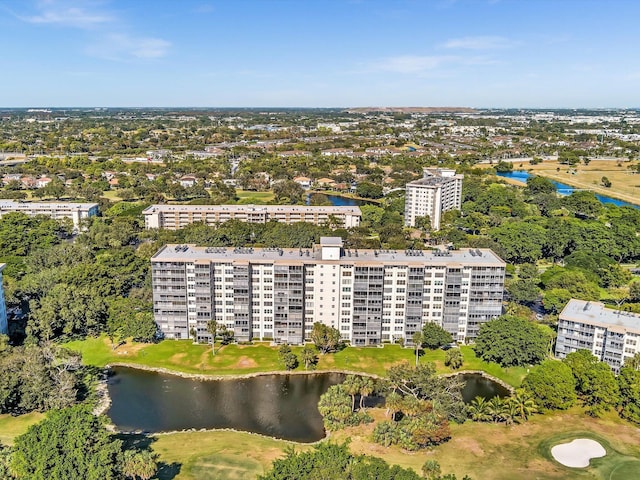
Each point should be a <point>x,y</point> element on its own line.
<point>438,191</point>
<point>370,296</point>
<point>3,309</point>
<point>173,217</point>
<point>75,211</point>
<point>611,335</point>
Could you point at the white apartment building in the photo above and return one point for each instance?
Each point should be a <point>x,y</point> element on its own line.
<point>75,211</point>
<point>173,217</point>
<point>438,191</point>
<point>4,327</point>
<point>611,335</point>
<point>370,296</point>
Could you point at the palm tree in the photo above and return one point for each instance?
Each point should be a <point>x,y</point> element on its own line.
<point>393,402</point>
<point>494,408</point>
<point>479,410</point>
<point>509,413</point>
<point>367,387</point>
<point>524,404</point>
<point>633,362</point>
<point>139,464</point>
<point>351,385</point>
<point>417,342</point>
<point>212,328</point>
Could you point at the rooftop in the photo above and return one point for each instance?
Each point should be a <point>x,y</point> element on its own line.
<point>252,208</point>
<point>473,257</point>
<point>44,205</point>
<point>595,313</point>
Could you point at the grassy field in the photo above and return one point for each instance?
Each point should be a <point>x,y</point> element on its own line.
<point>249,197</point>
<point>11,427</point>
<point>184,356</point>
<point>497,452</point>
<point>624,184</point>
<point>481,450</point>
<point>221,455</point>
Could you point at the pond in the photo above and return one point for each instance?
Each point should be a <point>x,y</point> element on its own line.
<point>564,189</point>
<point>280,406</point>
<point>477,385</point>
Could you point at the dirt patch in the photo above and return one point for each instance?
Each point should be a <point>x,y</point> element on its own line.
<point>469,445</point>
<point>246,362</point>
<point>129,349</point>
<point>177,358</point>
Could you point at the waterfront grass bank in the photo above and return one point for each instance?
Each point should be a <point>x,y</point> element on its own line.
<point>183,356</point>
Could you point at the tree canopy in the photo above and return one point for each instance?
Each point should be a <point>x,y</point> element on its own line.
<point>510,341</point>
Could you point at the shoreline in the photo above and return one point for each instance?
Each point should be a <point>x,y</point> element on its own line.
<point>206,377</point>
<point>572,183</point>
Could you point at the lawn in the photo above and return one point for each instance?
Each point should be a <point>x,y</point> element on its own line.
<point>223,455</point>
<point>248,197</point>
<point>11,427</point>
<point>184,356</point>
<point>497,452</point>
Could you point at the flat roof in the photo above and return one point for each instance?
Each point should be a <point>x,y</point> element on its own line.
<point>471,257</point>
<point>252,208</point>
<point>45,205</point>
<point>595,313</point>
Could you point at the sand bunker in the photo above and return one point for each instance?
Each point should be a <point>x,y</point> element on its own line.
<point>577,453</point>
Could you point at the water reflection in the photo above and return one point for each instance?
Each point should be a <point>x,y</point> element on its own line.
<point>282,406</point>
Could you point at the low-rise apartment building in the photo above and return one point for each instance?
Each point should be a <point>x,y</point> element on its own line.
<point>370,296</point>
<point>173,217</point>
<point>609,334</point>
<point>438,191</point>
<point>57,210</point>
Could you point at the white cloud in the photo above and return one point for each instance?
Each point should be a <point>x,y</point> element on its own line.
<point>479,43</point>
<point>65,15</point>
<point>423,64</point>
<point>122,47</point>
<point>410,63</point>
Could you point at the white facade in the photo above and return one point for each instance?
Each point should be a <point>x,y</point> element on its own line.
<point>611,335</point>
<point>4,328</point>
<point>173,217</point>
<point>370,296</point>
<point>438,191</point>
<point>75,211</point>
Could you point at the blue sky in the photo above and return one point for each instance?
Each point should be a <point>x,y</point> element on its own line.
<point>320,53</point>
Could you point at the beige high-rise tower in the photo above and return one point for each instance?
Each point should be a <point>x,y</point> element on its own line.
<point>438,191</point>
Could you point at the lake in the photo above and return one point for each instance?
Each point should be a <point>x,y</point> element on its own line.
<point>341,201</point>
<point>280,406</point>
<point>564,189</point>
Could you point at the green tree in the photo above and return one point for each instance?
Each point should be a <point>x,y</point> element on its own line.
<point>511,341</point>
<point>416,338</point>
<point>434,336</point>
<point>139,464</point>
<point>453,358</point>
<point>309,357</point>
<point>595,382</point>
<point>69,443</point>
<point>212,329</point>
<point>629,385</point>
<point>552,385</point>
<point>521,242</point>
<point>479,410</point>
<point>287,357</point>
<point>352,385</point>
<point>367,387</point>
<point>326,338</point>
<point>431,470</point>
